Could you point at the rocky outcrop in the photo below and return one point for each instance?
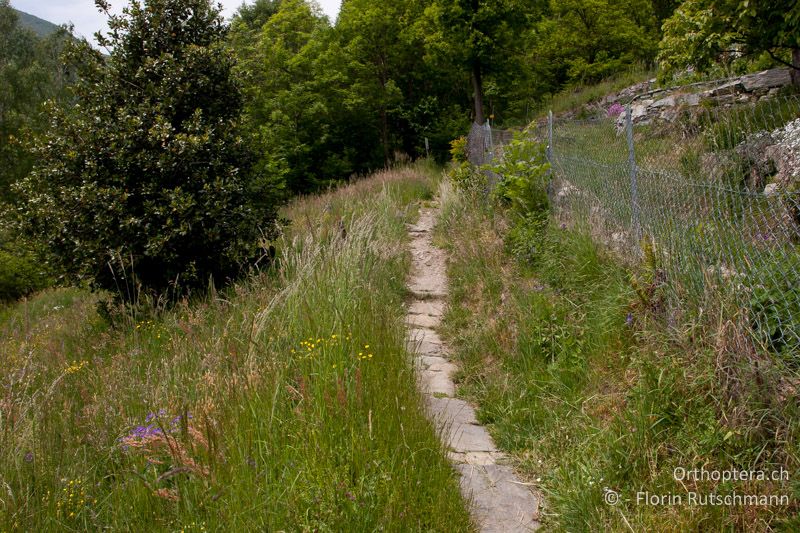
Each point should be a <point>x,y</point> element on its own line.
<point>664,105</point>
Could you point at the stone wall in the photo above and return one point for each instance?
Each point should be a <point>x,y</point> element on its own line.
<point>663,105</point>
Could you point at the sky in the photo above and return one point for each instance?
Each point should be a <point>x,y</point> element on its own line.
<point>87,20</point>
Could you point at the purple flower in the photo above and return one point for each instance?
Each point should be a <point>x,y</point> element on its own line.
<point>28,457</point>
<point>141,432</point>
<point>629,319</point>
<point>616,109</point>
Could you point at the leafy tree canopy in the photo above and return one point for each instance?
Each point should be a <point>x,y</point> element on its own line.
<point>146,183</point>
<point>702,33</point>
<point>30,74</point>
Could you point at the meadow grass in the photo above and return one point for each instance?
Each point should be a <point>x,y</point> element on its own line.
<point>574,97</point>
<point>581,381</point>
<point>287,402</point>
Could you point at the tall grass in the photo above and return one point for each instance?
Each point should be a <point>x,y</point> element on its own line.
<point>287,402</point>
<point>574,97</point>
<point>581,380</point>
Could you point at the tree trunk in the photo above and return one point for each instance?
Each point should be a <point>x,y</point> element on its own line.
<point>796,68</point>
<point>477,90</point>
<point>387,160</point>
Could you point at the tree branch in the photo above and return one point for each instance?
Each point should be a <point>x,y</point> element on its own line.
<point>779,60</point>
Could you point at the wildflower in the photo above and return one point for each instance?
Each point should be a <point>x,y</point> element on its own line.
<point>629,319</point>
<point>76,367</point>
<point>615,110</point>
<point>28,457</point>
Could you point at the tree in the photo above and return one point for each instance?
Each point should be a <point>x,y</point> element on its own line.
<point>255,15</point>
<point>146,183</point>
<point>29,75</point>
<point>702,32</point>
<point>481,36</point>
<point>584,41</point>
<point>294,79</point>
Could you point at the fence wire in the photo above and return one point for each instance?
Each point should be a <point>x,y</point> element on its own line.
<point>715,193</point>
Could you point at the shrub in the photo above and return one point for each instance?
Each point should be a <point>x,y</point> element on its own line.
<point>20,274</point>
<point>524,176</point>
<point>148,184</point>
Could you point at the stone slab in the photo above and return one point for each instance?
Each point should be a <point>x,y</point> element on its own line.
<point>464,438</point>
<point>476,458</point>
<point>436,383</point>
<point>424,335</point>
<point>426,361</point>
<point>425,347</point>
<point>448,411</point>
<point>500,504</point>
<point>428,307</point>
<point>423,321</point>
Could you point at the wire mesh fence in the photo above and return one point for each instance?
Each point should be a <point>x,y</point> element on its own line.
<point>714,194</point>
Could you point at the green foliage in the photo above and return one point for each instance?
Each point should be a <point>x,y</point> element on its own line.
<point>702,33</point>
<point>20,273</point>
<point>775,309</point>
<point>524,174</point>
<point>146,183</point>
<point>29,75</point>
<point>585,41</point>
<point>458,150</point>
<point>525,238</point>
<point>648,281</point>
<point>467,178</point>
<point>726,129</point>
<point>482,38</point>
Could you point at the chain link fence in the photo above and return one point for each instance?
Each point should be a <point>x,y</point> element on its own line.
<point>712,199</point>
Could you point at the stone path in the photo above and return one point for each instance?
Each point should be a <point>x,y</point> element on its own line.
<point>500,502</point>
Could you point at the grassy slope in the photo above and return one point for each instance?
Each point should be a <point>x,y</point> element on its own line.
<point>286,402</point>
<point>586,399</point>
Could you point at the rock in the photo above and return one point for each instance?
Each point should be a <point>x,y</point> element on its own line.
<point>423,321</point>
<point>729,88</point>
<point>429,307</point>
<point>669,114</point>
<point>771,189</point>
<point>690,99</point>
<point>639,110</point>
<point>766,79</point>
<point>502,504</point>
<point>669,101</point>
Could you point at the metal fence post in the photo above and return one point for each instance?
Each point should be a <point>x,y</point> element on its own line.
<point>635,222</point>
<point>489,140</point>
<point>549,152</point>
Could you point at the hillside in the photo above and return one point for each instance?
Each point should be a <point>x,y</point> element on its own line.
<point>40,27</point>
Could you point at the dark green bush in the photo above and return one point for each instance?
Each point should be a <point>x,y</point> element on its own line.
<point>147,185</point>
<point>20,275</point>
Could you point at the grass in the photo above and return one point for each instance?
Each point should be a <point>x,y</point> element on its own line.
<point>573,98</point>
<point>286,402</point>
<point>583,382</point>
